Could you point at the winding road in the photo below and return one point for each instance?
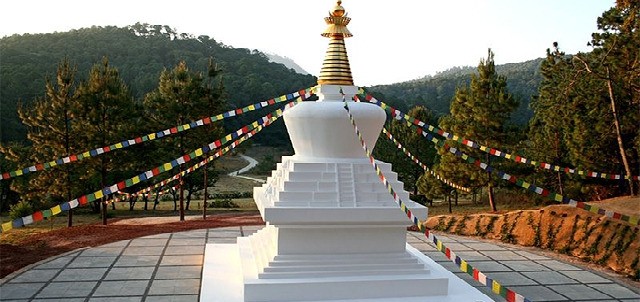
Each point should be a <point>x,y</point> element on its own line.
<point>251,165</point>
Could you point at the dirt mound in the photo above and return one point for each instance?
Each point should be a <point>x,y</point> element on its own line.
<point>590,237</point>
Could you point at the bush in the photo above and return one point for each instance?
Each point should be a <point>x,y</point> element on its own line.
<point>223,203</point>
<point>231,195</point>
<point>20,209</point>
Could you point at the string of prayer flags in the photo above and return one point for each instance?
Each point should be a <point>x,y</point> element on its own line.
<point>249,132</point>
<point>304,94</point>
<point>492,151</point>
<point>477,275</point>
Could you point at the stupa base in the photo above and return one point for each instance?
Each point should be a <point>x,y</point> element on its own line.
<point>228,276</point>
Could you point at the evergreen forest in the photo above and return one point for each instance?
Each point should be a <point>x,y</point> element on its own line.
<point>67,92</point>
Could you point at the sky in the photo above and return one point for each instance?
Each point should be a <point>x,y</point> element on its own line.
<point>393,41</point>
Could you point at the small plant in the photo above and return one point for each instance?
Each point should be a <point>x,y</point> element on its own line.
<point>553,232</point>
<point>506,232</point>
<point>450,224</point>
<point>226,203</point>
<point>461,225</point>
<point>492,221</point>
<point>477,226</point>
<point>20,209</point>
<point>593,249</point>
<point>620,248</point>
<point>537,237</point>
<point>440,225</point>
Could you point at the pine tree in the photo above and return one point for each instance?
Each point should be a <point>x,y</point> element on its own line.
<point>589,104</point>
<point>183,96</point>
<point>408,171</point>
<point>552,121</point>
<point>51,132</point>
<point>478,112</point>
<point>614,61</point>
<point>107,114</point>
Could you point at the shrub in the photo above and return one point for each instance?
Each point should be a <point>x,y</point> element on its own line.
<point>20,209</point>
<point>226,203</point>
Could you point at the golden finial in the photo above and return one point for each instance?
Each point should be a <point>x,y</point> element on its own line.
<point>335,68</point>
<point>338,10</point>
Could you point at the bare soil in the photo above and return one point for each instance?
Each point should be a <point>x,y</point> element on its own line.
<point>36,247</point>
<point>608,243</point>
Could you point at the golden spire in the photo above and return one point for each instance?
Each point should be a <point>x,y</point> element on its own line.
<point>335,68</point>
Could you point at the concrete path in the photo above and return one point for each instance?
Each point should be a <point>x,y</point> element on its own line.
<point>251,165</point>
<point>168,267</point>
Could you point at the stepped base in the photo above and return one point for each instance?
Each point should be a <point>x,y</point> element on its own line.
<point>249,271</point>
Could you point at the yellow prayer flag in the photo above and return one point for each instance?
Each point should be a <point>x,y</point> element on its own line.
<point>167,166</point>
<point>98,194</point>
<point>152,136</point>
<point>56,210</point>
<point>199,152</point>
<point>134,180</point>
<point>228,138</point>
<point>219,117</point>
<point>18,172</point>
<point>119,146</point>
<point>86,154</point>
<point>186,127</point>
<point>255,124</point>
<point>633,220</point>
<point>7,226</point>
<point>463,266</point>
<point>495,287</point>
<point>251,107</point>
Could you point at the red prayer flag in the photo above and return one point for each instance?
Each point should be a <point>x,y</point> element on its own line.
<point>37,216</point>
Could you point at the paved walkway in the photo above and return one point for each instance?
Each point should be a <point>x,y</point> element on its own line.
<point>168,267</point>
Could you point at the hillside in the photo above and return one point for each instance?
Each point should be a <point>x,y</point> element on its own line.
<point>140,52</point>
<point>290,63</point>
<point>436,91</point>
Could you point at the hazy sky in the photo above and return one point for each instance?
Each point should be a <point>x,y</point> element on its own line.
<point>393,41</point>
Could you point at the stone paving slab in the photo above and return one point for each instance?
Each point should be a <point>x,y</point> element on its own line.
<point>168,267</point>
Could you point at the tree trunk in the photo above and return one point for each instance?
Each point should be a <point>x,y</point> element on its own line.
<point>560,186</point>
<point>204,208</point>
<point>174,194</point>
<point>188,203</point>
<point>104,210</point>
<point>181,200</point>
<point>132,202</point>
<point>145,198</point>
<point>448,197</point>
<point>616,122</point>
<point>492,202</point>
<point>155,201</point>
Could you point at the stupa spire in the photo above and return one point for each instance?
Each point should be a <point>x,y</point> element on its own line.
<point>335,68</point>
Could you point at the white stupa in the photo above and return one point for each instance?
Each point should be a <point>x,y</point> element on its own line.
<point>333,233</point>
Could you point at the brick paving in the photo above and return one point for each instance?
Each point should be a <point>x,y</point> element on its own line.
<point>168,267</point>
